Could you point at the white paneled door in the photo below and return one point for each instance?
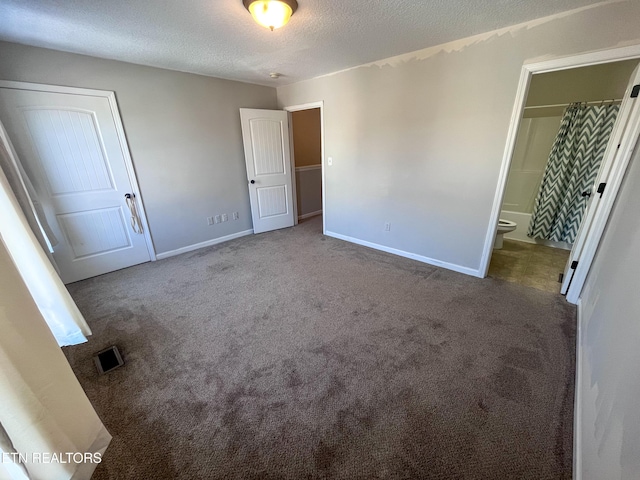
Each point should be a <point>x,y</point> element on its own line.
<point>70,148</point>
<point>267,154</point>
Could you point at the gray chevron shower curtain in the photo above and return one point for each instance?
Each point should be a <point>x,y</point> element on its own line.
<point>572,169</point>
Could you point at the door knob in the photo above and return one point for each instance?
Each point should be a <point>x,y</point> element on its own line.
<point>586,193</point>
<point>252,182</point>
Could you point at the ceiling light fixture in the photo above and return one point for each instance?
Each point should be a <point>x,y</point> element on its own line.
<point>271,14</point>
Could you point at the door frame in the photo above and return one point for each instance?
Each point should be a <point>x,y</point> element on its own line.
<point>528,70</point>
<point>297,108</point>
<point>124,145</point>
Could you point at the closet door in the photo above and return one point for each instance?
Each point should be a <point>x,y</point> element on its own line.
<point>69,146</point>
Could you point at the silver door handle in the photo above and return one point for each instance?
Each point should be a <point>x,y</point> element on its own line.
<point>136,224</point>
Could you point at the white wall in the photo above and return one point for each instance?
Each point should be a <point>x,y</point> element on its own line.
<point>530,156</point>
<point>183,131</point>
<point>418,140</point>
<point>609,345</point>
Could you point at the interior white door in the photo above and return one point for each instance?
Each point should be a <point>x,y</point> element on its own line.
<point>268,157</point>
<point>615,155</point>
<point>69,146</point>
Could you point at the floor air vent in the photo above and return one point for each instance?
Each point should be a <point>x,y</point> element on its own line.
<point>108,359</point>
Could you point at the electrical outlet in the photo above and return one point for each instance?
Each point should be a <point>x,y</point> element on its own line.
<point>387,227</point>
<point>209,220</point>
<point>236,216</point>
<point>225,217</point>
<point>217,219</point>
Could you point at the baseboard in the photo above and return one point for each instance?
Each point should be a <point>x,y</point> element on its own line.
<point>412,256</point>
<point>208,243</point>
<point>577,406</point>
<point>309,215</point>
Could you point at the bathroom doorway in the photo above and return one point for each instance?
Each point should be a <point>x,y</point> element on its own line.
<point>567,121</point>
<point>307,158</point>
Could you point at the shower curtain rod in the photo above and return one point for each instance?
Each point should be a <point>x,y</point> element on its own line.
<point>595,102</point>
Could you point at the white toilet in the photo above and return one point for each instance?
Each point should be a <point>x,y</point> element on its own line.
<point>504,226</point>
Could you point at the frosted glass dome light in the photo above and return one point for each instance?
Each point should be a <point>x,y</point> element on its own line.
<point>271,14</point>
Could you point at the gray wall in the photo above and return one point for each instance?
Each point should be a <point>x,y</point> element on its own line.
<point>183,132</point>
<point>610,344</point>
<point>418,140</point>
<point>309,191</point>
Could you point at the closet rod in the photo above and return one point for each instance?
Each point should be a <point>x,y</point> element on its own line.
<point>595,102</point>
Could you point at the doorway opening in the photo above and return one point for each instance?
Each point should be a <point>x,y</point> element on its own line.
<point>307,154</point>
<point>603,193</point>
<point>268,139</point>
<point>567,121</point>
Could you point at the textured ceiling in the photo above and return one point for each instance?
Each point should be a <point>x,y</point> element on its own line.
<point>219,38</point>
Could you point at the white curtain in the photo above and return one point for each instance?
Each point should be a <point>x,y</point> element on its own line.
<point>49,293</point>
<point>27,197</point>
<point>43,409</point>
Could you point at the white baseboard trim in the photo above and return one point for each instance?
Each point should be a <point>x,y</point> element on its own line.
<point>309,215</point>
<point>412,256</point>
<point>577,405</point>
<point>208,243</point>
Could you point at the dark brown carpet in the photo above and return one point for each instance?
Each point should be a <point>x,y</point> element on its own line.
<point>289,355</point>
